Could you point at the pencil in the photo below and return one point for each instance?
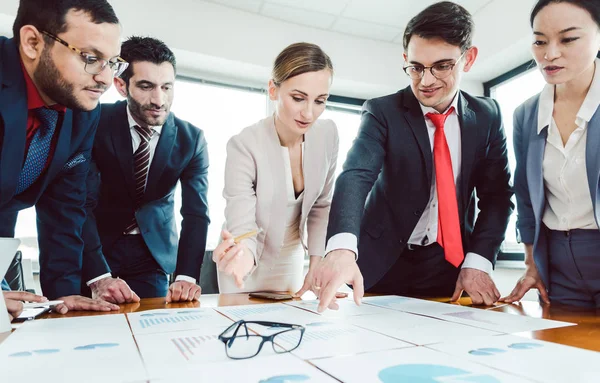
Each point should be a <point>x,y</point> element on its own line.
<point>247,235</point>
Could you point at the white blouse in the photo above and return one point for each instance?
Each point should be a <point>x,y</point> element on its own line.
<point>569,203</point>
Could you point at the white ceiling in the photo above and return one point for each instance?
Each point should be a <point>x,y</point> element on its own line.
<point>502,31</point>
<point>381,20</point>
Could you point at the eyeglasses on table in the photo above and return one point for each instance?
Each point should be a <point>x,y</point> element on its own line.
<point>243,343</point>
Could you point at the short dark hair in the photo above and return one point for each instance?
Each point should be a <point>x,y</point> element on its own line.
<point>445,20</point>
<point>137,48</point>
<point>592,6</point>
<point>49,15</point>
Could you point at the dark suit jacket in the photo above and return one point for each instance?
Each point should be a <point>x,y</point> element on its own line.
<point>390,165</point>
<point>181,155</point>
<point>59,194</point>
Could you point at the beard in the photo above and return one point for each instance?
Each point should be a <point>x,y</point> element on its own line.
<point>55,86</point>
<point>137,111</point>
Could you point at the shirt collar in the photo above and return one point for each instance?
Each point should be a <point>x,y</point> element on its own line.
<point>592,99</point>
<point>545,107</point>
<point>132,123</point>
<point>34,100</point>
<point>427,109</point>
<point>586,111</point>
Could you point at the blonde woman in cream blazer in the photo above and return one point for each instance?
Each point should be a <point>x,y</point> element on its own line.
<point>279,177</point>
<point>258,195</point>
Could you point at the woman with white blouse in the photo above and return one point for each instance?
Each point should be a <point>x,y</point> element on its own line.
<point>557,147</point>
<point>279,177</point>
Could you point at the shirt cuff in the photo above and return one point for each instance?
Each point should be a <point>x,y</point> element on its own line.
<point>107,275</point>
<point>476,261</point>
<point>185,278</point>
<point>343,241</point>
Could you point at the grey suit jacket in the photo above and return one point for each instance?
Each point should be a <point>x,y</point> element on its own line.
<point>529,178</point>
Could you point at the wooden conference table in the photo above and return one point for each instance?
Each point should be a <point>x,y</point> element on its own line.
<point>585,335</point>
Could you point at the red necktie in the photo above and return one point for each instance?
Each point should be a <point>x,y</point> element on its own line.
<point>448,225</point>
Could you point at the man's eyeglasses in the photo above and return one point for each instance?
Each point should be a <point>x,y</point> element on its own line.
<point>439,71</point>
<point>242,343</point>
<point>93,64</point>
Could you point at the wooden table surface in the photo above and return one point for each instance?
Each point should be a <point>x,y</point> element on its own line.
<point>585,335</point>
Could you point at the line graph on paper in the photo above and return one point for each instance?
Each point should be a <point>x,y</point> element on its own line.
<point>189,345</point>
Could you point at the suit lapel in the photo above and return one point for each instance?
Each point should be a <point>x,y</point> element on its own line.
<point>313,160</point>
<point>121,139</point>
<point>468,141</point>
<point>535,160</point>
<point>279,195</point>
<point>162,153</point>
<point>592,154</point>
<point>62,151</point>
<point>13,111</point>
<point>414,118</point>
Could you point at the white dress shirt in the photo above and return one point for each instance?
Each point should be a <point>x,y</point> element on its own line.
<point>565,175</point>
<point>135,143</point>
<point>425,232</point>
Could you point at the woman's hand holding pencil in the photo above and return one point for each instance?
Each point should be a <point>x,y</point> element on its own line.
<point>233,257</point>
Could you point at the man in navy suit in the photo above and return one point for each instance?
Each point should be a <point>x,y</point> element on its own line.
<point>62,58</point>
<point>402,218</point>
<point>140,153</point>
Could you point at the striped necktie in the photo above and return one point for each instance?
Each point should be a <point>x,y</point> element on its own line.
<point>39,148</point>
<point>141,164</point>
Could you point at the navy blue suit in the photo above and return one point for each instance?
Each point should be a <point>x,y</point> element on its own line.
<point>181,155</point>
<point>59,193</point>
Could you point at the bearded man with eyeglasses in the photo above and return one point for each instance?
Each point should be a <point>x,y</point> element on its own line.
<point>62,58</point>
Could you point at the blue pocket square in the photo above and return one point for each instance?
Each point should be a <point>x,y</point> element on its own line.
<point>74,161</point>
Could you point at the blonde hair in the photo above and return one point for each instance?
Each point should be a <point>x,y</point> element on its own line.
<point>297,59</point>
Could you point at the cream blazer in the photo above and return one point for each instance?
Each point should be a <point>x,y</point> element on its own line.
<point>255,187</point>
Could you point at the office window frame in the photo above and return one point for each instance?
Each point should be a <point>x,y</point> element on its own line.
<point>510,254</point>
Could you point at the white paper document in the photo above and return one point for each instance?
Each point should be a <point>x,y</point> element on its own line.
<point>411,365</point>
<point>282,368</point>
<point>417,329</point>
<point>90,349</point>
<point>164,353</point>
<point>485,319</point>
<point>347,308</point>
<point>271,312</point>
<point>537,360</point>
<point>325,339</point>
<point>166,320</point>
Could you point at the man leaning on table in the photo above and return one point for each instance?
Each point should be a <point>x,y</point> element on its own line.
<point>420,157</point>
<point>62,58</point>
<point>140,153</point>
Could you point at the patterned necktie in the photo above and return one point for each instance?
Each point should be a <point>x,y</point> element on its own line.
<point>448,225</point>
<point>141,163</point>
<point>39,148</point>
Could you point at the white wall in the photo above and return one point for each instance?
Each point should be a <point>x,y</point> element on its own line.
<point>219,43</point>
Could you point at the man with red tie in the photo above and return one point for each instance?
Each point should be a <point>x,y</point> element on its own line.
<point>421,157</point>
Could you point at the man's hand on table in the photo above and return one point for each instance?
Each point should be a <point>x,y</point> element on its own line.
<point>113,290</point>
<point>80,303</point>
<point>338,267</point>
<point>479,285</point>
<point>183,291</point>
